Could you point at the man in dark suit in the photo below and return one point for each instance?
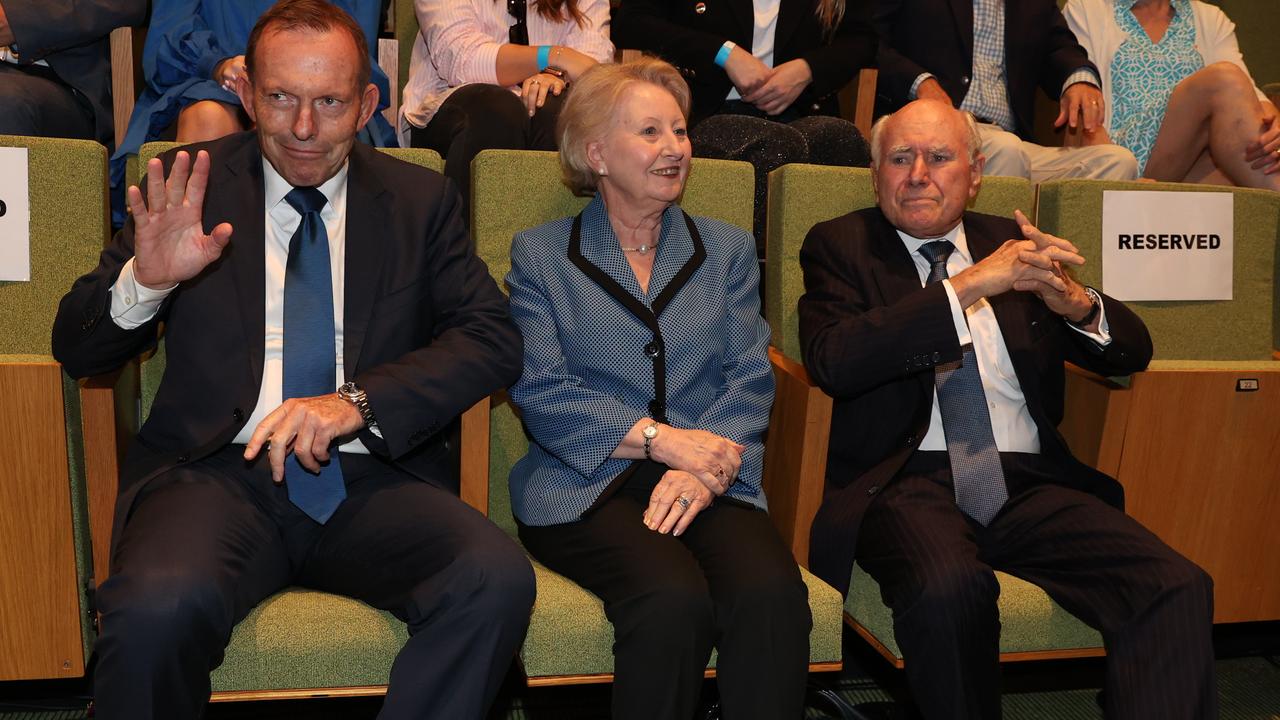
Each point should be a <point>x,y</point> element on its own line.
<point>55,66</point>
<point>988,57</point>
<point>285,265</point>
<point>942,342</point>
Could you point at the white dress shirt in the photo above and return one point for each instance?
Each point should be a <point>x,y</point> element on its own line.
<point>458,45</point>
<point>132,304</point>
<point>765,29</point>
<point>1011,422</point>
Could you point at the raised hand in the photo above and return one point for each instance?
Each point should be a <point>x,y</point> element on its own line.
<point>675,501</point>
<point>170,245</point>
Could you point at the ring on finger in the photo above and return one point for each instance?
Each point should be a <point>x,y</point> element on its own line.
<point>684,502</point>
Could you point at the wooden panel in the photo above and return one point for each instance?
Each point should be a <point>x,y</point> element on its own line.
<point>474,464</point>
<point>1094,419</point>
<point>795,453</point>
<point>297,693</point>
<point>100,423</point>
<point>552,680</point>
<point>1201,469</point>
<point>39,603</point>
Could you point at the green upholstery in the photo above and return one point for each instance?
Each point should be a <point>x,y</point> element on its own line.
<point>68,202</point>
<point>1029,621</point>
<point>801,196</point>
<point>568,632</point>
<point>1244,328</point>
<point>406,31</point>
<point>299,639</point>
<point>498,212</point>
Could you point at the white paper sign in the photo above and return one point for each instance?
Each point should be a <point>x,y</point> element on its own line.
<point>1167,245</point>
<point>15,215</point>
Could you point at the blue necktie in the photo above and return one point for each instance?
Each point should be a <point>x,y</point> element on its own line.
<point>975,462</point>
<point>310,360</point>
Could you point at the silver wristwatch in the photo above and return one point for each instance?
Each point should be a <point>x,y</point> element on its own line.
<point>355,395</point>
<point>650,432</point>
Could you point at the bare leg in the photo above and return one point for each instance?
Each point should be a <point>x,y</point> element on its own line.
<point>1206,173</point>
<point>1212,110</point>
<point>208,120</point>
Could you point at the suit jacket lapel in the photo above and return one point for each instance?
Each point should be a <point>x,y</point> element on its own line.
<point>244,209</point>
<point>789,17</point>
<point>367,242</point>
<point>895,274</point>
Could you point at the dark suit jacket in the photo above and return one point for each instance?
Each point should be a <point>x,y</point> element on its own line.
<point>677,32</point>
<point>426,330</point>
<point>872,336</point>
<point>936,36</point>
<point>73,37</point>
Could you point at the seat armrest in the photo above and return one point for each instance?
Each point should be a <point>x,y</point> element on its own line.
<point>1095,414</point>
<point>473,470</point>
<point>795,460</point>
<point>108,424</point>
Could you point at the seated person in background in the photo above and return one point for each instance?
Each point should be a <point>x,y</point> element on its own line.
<point>55,66</point>
<point>764,76</point>
<point>492,74</point>
<point>943,342</point>
<point>988,57</point>
<point>646,390</point>
<point>1180,95</point>
<point>191,62</point>
<point>311,364</point>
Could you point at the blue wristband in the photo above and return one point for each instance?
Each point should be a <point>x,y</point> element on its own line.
<point>544,57</point>
<point>722,57</point>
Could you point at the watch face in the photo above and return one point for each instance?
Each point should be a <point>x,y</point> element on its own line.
<point>651,431</point>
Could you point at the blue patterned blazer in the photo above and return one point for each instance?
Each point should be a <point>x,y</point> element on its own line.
<point>594,365</point>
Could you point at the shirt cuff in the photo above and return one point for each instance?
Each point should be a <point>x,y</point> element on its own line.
<point>133,304</point>
<point>1103,336</point>
<point>1083,75</point>
<point>915,86</point>
<point>957,315</point>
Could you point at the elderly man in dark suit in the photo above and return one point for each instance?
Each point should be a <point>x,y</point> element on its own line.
<point>325,320</point>
<point>942,334</point>
<point>988,57</point>
<point>55,66</point>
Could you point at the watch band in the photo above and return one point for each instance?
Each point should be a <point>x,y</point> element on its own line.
<point>355,395</point>
<point>1096,308</point>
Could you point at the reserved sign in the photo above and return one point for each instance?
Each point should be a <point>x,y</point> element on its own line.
<point>1167,245</point>
<point>15,215</point>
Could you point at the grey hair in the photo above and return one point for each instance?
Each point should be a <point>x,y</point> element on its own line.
<point>972,138</point>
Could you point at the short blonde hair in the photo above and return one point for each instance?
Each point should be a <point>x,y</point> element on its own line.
<point>588,111</point>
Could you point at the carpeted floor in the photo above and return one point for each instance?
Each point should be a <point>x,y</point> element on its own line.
<point>1248,685</point>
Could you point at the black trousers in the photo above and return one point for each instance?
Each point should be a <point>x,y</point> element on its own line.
<point>935,567</point>
<point>727,582</point>
<point>36,102</point>
<point>208,541</point>
<point>482,117</point>
<point>740,131</point>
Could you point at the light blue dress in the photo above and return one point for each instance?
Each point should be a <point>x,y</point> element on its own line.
<point>1144,75</point>
<point>186,40</point>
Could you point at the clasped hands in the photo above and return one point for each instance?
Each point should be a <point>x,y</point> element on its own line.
<point>702,466</point>
<point>170,246</point>
<point>772,90</point>
<point>1033,264</point>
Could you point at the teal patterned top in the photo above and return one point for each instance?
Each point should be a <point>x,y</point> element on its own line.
<point>1144,75</point>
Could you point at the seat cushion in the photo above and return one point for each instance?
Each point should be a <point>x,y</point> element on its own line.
<point>308,639</point>
<point>1029,621</point>
<point>569,634</point>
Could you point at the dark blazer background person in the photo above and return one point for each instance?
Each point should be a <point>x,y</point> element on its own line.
<point>201,533</point>
<point>917,504</point>
<point>71,97</point>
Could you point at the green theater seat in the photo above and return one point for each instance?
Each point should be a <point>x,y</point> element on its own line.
<point>569,639</point>
<point>800,196</point>
<point>1193,438</point>
<point>46,563</point>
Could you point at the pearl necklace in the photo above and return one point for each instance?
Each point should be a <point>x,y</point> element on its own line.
<point>643,249</point>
